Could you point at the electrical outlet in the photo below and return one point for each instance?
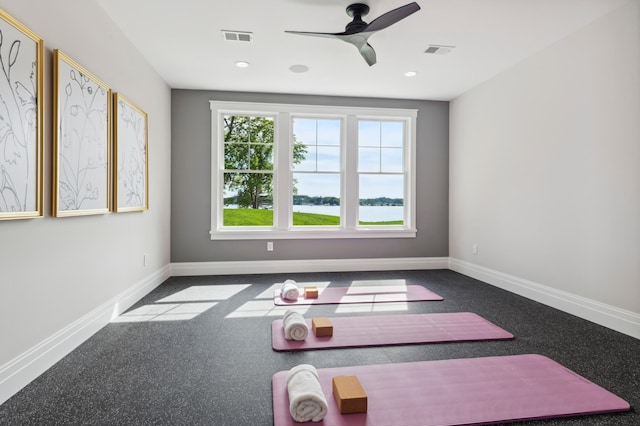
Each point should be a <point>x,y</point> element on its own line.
<point>475,248</point>
<point>269,245</point>
<point>144,260</point>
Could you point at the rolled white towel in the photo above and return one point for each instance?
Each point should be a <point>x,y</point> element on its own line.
<point>290,290</point>
<point>306,399</point>
<point>295,326</point>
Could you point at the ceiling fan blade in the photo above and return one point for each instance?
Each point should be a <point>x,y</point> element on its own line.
<point>391,17</point>
<point>359,36</point>
<point>368,53</point>
<point>359,40</point>
<point>308,33</point>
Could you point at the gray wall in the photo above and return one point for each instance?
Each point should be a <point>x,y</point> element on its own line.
<point>191,185</point>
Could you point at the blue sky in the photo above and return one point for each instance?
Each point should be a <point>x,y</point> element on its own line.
<point>380,150</point>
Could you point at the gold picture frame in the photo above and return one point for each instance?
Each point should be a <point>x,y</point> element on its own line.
<point>131,155</point>
<point>82,140</point>
<point>21,118</point>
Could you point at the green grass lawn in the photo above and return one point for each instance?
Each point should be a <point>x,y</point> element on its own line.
<point>248,217</point>
<point>261,217</point>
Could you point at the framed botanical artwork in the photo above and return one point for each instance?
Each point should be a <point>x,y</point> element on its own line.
<point>21,118</point>
<point>81,140</point>
<point>131,181</point>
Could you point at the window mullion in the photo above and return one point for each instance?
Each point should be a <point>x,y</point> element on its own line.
<point>410,170</point>
<point>217,155</point>
<point>282,171</point>
<point>349,197</point>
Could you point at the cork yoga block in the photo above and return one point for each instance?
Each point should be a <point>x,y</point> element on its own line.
<point>322,327</point>
<point>349,395</point>
<point>310,292</point>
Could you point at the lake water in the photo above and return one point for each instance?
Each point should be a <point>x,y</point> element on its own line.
<point>366,213</point>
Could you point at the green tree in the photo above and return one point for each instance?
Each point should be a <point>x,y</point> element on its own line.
<point>248,150</point>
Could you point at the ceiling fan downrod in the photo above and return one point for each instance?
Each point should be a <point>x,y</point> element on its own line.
<point>356,11</point>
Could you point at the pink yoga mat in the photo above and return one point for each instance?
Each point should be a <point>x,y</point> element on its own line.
<point>333,295</point>
<point>393,330</point>
<point>459,392</point>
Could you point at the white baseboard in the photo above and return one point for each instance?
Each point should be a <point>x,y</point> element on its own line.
<point>318,265</point>
<point>621,320</point>
<point>20,371</point>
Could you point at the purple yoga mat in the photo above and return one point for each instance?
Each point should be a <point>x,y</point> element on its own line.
<point>393,330</point>
<point>467,391</point>
<point>335,295</point>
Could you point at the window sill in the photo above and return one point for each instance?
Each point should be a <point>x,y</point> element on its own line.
<point>307,234</point>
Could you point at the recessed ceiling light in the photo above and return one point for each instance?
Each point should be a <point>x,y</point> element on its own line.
<point>242,64</point>
<point>410,74</point>
<point>298,68</point>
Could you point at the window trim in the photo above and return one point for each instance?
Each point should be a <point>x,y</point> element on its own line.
<point>283,114</point>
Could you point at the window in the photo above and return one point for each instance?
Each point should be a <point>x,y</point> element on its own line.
<point>247,173</point>
<point>300,171</point>
<point>381,172</point>
<point>316,171</point>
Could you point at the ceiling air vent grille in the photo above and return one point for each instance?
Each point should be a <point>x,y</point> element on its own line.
<point>237,36</point>
<point>435,49</point>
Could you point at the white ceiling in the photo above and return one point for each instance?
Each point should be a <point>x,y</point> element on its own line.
<point>182,40</point>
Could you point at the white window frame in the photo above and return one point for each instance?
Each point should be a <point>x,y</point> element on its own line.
<point>282,172</point>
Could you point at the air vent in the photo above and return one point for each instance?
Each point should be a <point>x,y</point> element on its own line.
<point>237,36</point>
<point>439,50</point>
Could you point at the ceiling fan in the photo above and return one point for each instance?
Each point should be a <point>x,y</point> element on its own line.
<point>357,32</point>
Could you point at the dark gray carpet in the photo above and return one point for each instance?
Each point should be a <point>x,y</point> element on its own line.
<point>213,370</point>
